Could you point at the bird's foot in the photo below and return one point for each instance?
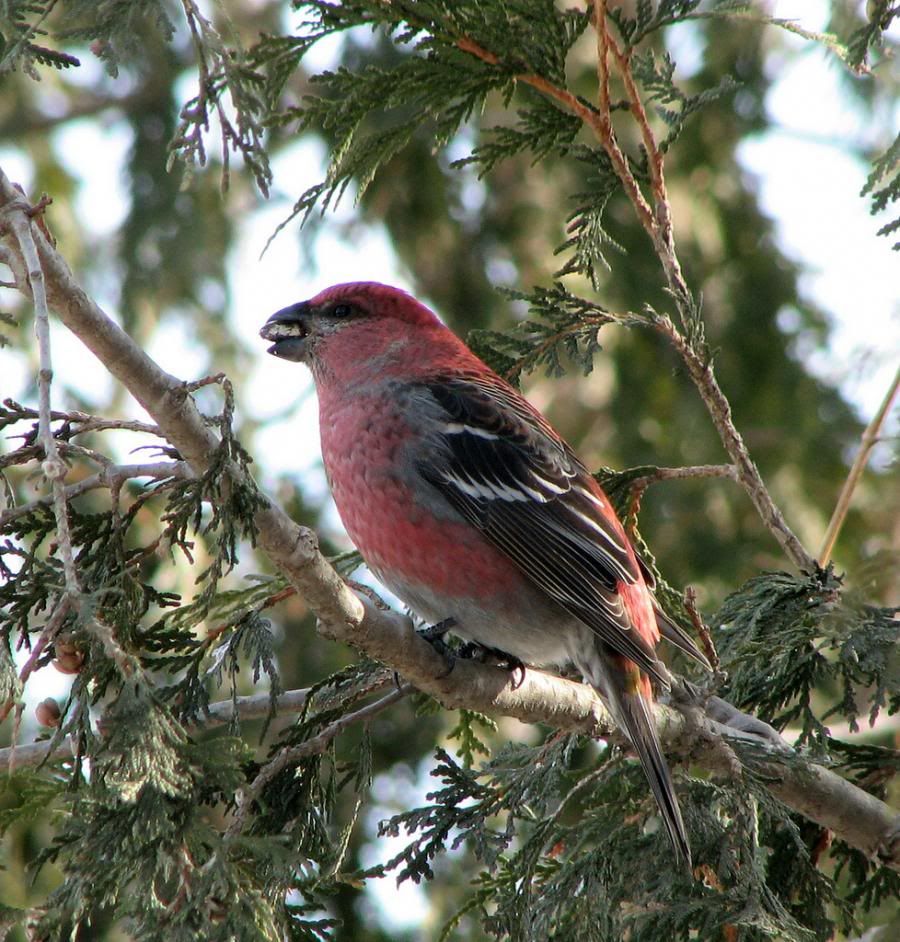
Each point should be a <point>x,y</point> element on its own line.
<point>723,712</point>
<point>434,635</point>
<point>496,657</point>
<point>685,694</point>
<point>437,631</point>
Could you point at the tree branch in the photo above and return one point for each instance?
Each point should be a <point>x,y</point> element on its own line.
<point>111,477</point>
<point>255,707</point>
<point>868,442</point>
<point>857,817</point>
<point>317,744</point>
<point>719,408</point>
<point>17,214</point>
<point>14,411</point>
<point>657,223</point>
<point>854,815</point>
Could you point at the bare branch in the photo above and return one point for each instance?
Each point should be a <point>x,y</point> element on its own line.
<point>111,477</point>
<point>689,471</point>
<point>719,408</point>
<point>18,217</point>
<point>255,707</point>
<point>85,421</point>
<point>319,743</point>
<point>709,648</point>
<point>867,443</point>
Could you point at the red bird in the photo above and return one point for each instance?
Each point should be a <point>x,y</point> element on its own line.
<point>467,505</point>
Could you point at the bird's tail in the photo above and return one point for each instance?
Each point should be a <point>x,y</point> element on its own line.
<point>629,697</point>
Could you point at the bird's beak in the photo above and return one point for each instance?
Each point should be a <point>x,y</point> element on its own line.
<point>288,329</point>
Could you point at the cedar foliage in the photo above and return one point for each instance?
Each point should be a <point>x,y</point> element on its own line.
<point>561,836</point>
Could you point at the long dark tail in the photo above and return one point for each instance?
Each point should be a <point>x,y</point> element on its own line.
<point>628,695</point>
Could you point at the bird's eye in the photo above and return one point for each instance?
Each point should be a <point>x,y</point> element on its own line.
<point>341,310</point>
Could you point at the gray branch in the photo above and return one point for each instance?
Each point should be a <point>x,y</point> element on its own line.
<point>112,477</point>
<point>17,223</point>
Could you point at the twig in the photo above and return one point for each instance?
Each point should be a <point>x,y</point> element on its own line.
<point>48,633</point>
<point>53,467</point>
<point>689,471</point>
<point>658,225</point>
<point>867,443</point>
<point>255,707</point>
<point>709,648</point>
<point>85,420</point>
<point>603,127</point>
<point>215,633</point>
<point>14,736</point>
<point>18,215</point>
<point>663,231</point>
<point>112,477</point>
<point>319,743</point>
<point>719,408</point>
<point>590,116</point>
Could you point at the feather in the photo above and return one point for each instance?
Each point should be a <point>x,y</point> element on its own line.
<point>631,709</point>
<point>507,472</point>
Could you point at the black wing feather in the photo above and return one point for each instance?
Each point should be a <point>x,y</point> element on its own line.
<point>505,470</point>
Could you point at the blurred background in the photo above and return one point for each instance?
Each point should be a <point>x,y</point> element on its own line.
<point>800,301</point>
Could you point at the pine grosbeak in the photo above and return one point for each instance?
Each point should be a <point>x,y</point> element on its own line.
<point>468,506</point>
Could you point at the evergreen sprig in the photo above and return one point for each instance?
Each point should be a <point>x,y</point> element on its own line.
<point>782,637</point>
<point>116,29</point>
<point>563,851</point>
<point>20,24</point>
<point>563,324</point>
<point>656,75</point>
<point>867,37</point>
<point>541,130</point>
<point>224,71</point>
<point>650,16</point>
<point>883,187</point>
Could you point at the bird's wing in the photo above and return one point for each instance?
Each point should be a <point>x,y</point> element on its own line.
<point>506,471</point>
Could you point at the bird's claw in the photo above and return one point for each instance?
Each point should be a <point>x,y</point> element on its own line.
<point>434,635</point>
<point>723,712</point>
<point>686,694</point>
<point>496,657</point>
<point>437,631</point>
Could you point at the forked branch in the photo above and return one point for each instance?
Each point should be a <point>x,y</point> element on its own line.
<point>657,222</point>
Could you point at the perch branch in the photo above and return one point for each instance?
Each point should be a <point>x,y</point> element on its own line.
<point>854,815</point>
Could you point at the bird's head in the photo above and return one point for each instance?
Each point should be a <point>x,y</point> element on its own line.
<point>366,314</point>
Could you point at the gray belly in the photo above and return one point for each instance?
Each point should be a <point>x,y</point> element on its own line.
<point>529,626</point>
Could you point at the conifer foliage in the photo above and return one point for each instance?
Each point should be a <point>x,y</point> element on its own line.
<point>169,819</point>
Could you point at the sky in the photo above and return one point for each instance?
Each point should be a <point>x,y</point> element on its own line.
<point>851,274</point>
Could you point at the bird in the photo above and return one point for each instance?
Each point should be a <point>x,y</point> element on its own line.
<point>468,506</point>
